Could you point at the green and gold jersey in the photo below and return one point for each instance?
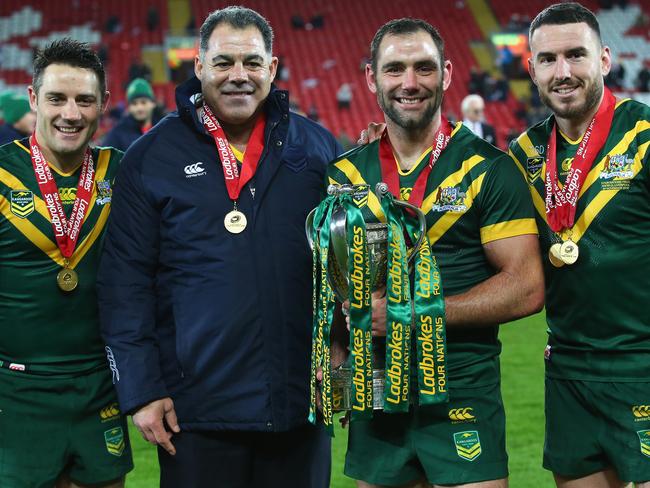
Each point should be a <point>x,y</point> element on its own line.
<point>42,327</point>
<point>597,309</point>
<point>474,195</point>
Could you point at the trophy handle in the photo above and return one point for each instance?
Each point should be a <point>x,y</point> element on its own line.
<point>309,222</point>
<point>381,189</point>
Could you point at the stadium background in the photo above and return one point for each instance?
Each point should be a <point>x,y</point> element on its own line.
<point>324,45</point>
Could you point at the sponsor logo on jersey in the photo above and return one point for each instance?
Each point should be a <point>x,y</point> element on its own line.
<point>450,199</point>
<point>405,194</point>
<point>115,442</point>
<point>17,367</point>
<point>109,412</point>
<point>195,169</point>
<point>618,166</point>
<point>459,415</point>
<point>534,168</point>
<point>104,192</point>
<point>547,353</point>
<point>360,196</point>
<point>644,439</point>
<point>468,445</point>
<point>641,412</point>
<point>22,203</point>
<point>67,195</point>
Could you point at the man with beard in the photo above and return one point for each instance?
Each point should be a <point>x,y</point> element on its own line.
<point>140,118</point>
<point>482,231</point>
<point>588,171</point>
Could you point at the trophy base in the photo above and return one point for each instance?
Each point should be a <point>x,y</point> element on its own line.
<point>342,389</point>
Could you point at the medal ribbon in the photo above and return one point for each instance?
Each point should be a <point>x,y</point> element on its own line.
<point>66,232</point>
<point>431,328</point>
<point>325,311</point>
<point>234,180</point>
<point>561,203</point>
<point>389,174</point>
<point>398,313</point>
<point>360,311</point>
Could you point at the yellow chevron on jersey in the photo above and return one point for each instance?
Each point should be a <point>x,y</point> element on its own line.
<point>35,235</point>
<point>354,177</point>
<point>598,203</point>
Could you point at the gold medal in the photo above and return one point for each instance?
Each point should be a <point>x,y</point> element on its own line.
<point>235,221</point>
<point>569,252</point>
<point>554,255</point>
<point>67,279</point>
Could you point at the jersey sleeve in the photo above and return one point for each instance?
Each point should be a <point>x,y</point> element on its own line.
<point>506,209</point>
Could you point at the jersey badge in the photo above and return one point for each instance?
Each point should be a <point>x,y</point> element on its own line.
<point>450,199</point>
<point>644,439</point>
<point>22,203</point>
<point>534,168</point>
<point>104,192</point>
<point>618,166</point>
<point>115,442</point>
<point>468,445</point>
<point>109,412</point>
<point>464,414</point>
<point>360,196</point>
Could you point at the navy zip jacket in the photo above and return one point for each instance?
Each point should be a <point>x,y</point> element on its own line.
<point>219,322</point>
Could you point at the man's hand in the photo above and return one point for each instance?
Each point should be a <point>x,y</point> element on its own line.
<point>149,421</point>
<point>372,133</point>
<point>378,313</point>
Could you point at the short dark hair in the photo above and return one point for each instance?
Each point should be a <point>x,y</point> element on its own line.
<point>72,53</point>
<point>239,18</point>
<point>565,13</point>
<point>403,26</point>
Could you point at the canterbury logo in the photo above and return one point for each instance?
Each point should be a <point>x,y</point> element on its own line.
<point>109,412</point>
<point>641,411</point>
<point>68,195</point>
<point>194,169</point>
<point>461,413</point>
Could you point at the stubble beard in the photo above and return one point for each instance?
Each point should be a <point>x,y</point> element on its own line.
<point>592,97</point>
<point>408,123</point>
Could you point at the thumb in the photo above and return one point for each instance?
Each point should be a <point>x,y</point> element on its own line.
<point>170,418</point>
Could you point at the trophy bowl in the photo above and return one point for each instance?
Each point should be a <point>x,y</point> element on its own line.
<point>337,275</point>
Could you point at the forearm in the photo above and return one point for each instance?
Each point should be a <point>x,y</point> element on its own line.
<point>502,298</point>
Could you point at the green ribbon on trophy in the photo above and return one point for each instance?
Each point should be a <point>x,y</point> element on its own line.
<point>360,310</point>
<point>323,306</point>
<point>351,259</point>
<point>398,312</point>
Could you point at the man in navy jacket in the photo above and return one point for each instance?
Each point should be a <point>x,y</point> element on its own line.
<point>205,281</point>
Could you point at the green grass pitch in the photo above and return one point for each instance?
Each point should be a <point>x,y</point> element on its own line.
<point>522,370</point>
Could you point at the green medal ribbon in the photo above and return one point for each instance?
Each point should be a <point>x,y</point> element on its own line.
<point>398,313</point>
<point>323,301</point>
<point>360,311</point>
<point>431,329</point>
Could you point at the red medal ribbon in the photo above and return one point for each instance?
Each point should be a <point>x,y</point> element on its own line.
<point>234,181</point>
<point>561,203</point>
<point>389,172</point>
<point>66,232</point>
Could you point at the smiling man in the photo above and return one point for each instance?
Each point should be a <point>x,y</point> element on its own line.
<point>482,231</point>
<point>59,420</point>
<point>588,170</point>
<point>206,278</point>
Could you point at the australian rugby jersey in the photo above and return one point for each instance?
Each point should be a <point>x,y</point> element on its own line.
<point>41,327</point>
<point>597,309</point>
<point>474,195</point>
